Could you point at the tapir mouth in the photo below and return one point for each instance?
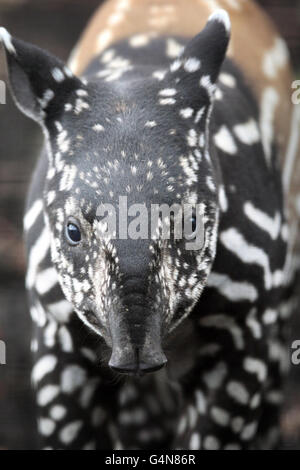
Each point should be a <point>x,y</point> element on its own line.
<point>139,366</point>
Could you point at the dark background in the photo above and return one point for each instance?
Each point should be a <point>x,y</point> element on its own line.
<point>55,25</point>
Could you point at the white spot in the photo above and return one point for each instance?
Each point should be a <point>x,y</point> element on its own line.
<point>47,97</point>
<point>192,138</point>
<point>174,49</point>
<point>220,416</point>
<point>255,401</point>
<point>182,425</point>
<point>199,114</point>
<point>44,366</point>
<point>63,142</point>
<point>192,65</point>
<point>65,339</point>
<point>186,113</point>
<point>51,195</point>
<point>235,4</point>
<point>201,402</point>
<point>46,426</point>
<point>58,75</point>
<point>211,443</point>
<point>195,442</point>
<point>72,378</point>
<point>227,80</point>
<point>115,18</point>
<point>58,412</point>
<point>167,101</point>
<point>257,367</point>
<point>49,334</point>
<point>68,177</point>
<point>210,184</point>
<point>270,316</point>
<point>223,202</point>
<point>98,128</point>
<point>215,377</point>
<point>47,394</point>
<point>139,40</point>
<point>151,124</point>
<point>249,431</point>
<point>224,141</point>
<point>38,314</point>
<point>275,59</point>
<point>175,65</point>
<point>192,415</point>
<point>206,83</point>
<point>238,392</point>
<point>159,74</point>
<point>61,310</point>
<point>70,432</point>
<point>237,424</point>
<point>81,92</point>
<point>103,39</point>
<point>248,133</point>
<point>168,92</point>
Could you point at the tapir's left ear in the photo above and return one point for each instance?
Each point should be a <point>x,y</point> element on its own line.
<point>204,54</point>
<point>39,82</point>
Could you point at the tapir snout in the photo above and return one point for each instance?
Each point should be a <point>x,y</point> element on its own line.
<point>136,342</point>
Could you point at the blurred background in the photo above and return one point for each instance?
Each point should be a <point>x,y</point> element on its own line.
<point>55,25</point>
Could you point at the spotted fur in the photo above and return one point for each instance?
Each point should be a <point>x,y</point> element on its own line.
<point>160,120</point>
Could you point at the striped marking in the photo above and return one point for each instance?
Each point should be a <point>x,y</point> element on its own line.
<point>46,280</point>
<point>232,290</point>
<point>32,214</point>
<point>250,254</point>
<point>36,255</point>
<point>269,103</point>
<point>271,225</point>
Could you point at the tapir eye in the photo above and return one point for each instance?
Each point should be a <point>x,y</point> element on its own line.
<point>190,227</point>
<point>194,229</point>
<point>73,233</point>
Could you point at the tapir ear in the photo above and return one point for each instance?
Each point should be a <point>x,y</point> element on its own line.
<point>206,52</point>
<point>40,83</point>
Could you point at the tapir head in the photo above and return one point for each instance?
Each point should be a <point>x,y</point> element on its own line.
<point>122,148</point>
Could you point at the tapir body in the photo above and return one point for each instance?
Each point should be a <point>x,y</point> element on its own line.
<point>151,111</point>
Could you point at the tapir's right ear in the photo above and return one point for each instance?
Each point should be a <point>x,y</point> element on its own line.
<point>40,83</point>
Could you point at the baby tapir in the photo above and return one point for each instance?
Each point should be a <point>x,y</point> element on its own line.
<point>150,112</point>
